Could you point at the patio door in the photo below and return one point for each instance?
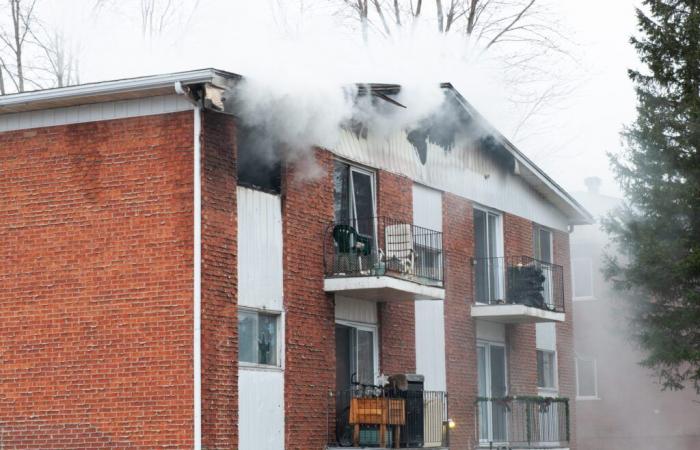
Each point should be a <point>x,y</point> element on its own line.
<point>487,251</point>
<point>355,355</point>
<point>542,243</point>
<point>491,377</point>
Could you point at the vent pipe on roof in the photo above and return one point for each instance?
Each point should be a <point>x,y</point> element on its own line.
<point>593,184</point>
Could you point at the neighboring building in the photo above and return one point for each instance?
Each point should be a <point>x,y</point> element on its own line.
<point>163,288</point>
<point>619,404</point>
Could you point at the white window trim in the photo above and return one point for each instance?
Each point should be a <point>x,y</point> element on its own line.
<point>595,379</point>
<point>374,328</point>
<point>586,298</point>
<point>279,367</point>
<point>554,390</point>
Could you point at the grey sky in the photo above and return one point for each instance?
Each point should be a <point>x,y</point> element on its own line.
<point>569,140</point>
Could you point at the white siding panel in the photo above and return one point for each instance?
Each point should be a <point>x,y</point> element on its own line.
<point>259,249</point>
<point>430,317</point>
<point>490,331</point>
<point>546,336</point>
<point>94,112</point>
<point>430,344</point>
<point>261,406</point>
<point>427,207</point>
<point>355,310</point>
<point>466,172</point>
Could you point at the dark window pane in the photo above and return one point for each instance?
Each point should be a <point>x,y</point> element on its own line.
<point>267,339</point>
<point>363,202</point>
<point>341,200</point>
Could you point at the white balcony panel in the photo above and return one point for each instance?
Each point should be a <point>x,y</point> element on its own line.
<point>382,289</point>
<point>515,314</point>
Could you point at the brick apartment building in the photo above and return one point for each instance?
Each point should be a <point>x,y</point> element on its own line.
<point>160,288</point>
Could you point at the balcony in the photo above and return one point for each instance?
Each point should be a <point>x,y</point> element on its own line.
<point>383,259</point>
<point>386,418</point>
<point>523,422</point>
<point>518,289</point>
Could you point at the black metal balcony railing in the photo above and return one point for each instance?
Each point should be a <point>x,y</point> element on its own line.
<point>522,422</point>
<point>519,280</point>
<point>382,246</point>
<point>382,417</point>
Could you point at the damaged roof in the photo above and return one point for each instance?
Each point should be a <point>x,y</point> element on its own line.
<point>165,84</point>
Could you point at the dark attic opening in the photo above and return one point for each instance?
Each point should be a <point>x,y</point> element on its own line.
<point>259,160</point>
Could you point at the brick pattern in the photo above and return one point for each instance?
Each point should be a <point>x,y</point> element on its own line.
<point>219,283</point>
<point>520,338</point>
<point>460,332</point>
<point>397,320</point>
<point>307,209</point>
<point>565,332</point>
<point>96,285</point>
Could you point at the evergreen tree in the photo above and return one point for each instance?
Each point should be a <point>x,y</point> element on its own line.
<point>658,230</point>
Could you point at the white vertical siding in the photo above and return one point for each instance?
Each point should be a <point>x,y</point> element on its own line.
<point>94,112</point>
<point>259,249</point>
<point>261,409</point>
<point>430,344</point>
<point>355,310</point>
<point>490,331</point>
<point>546,336</point>
<point>430,316</point>
<point>260,391</point>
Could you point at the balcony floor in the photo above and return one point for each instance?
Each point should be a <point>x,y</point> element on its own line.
<point>382,288</point>
<point>509,313</point>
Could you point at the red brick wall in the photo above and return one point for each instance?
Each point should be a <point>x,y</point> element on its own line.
<point>307,209</point>
<point>96,275</point>
<point>460,333</point>
<point>520,338</point>
<point>219,283</point>
<point>565,332</point>
<point>397,329</point>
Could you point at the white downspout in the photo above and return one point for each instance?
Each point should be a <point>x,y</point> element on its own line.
<point>197,272</point>
<point>197,288</point>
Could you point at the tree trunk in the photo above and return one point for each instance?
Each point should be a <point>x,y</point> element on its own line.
<point>440,16</point>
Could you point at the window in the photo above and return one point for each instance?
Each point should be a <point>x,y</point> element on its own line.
<point>257,337</point>
<point>487,251</point>
<point>355,354</point>
<point>353,197</point>
<point>582,269</point>
<point>586,378</point>
<point>546,369</point>
<point>542,243</point>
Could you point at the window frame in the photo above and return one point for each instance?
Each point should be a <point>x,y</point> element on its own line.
<point>554,389</point>
<point>487,344</point>
<point>500,247</point>
<point>573,280</point>
<point>596,395</point>
<point>279,315</point>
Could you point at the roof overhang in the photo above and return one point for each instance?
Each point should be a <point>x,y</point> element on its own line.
<point>116,90</point>
<point>529,171</point>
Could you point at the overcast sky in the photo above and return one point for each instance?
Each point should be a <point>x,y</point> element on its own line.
<point>255,37</point>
